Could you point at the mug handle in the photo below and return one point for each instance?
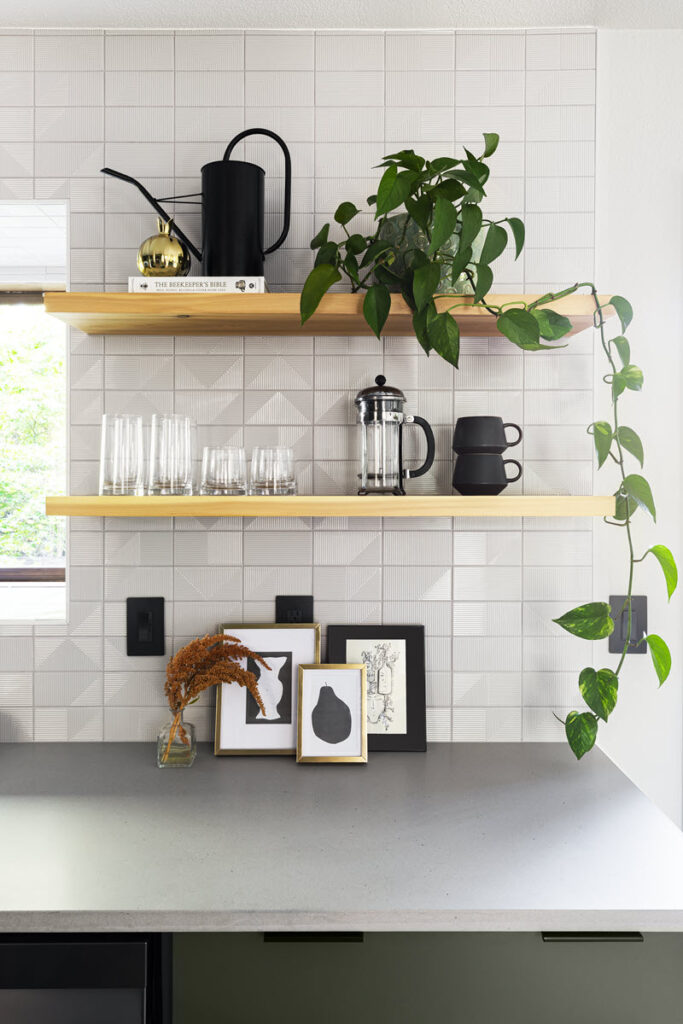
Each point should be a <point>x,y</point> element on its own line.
<point>511,444</point>
<point>513,462</point>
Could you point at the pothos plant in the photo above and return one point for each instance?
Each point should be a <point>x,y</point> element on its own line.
<point>443,198</point>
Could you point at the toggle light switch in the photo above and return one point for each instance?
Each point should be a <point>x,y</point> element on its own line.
<point>145,626</point>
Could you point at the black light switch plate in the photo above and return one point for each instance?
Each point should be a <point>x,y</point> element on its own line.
<point>638,624</point>
<point>145,626</point>
<point>293,609</point>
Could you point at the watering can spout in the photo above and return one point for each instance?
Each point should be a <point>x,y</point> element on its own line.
<point>155,206</point>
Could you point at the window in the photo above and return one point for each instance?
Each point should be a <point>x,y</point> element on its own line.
<point>32,412</point>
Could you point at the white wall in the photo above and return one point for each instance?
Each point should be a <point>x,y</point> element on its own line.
<point>639,253</point>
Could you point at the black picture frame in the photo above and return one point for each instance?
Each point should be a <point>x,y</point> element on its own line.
<point>415,737</point>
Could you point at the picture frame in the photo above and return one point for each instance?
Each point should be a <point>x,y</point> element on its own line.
<point>241,728</point>
<point>332,714</point>
<point>396,706</point>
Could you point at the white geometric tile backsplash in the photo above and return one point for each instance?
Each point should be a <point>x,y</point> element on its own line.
<point>158,105</point>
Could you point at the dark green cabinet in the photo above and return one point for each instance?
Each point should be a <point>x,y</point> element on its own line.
<point>473,978</point>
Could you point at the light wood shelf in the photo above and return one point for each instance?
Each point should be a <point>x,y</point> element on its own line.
<point>333,505</point>
<point>274,313</point>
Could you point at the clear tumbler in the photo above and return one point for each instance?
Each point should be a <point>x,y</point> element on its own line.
<point>170,456</point>
<point>121,455</point>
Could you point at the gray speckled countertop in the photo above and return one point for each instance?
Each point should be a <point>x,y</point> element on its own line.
<point>468,837</point>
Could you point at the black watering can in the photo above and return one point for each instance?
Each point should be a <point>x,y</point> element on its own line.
<point>232,202</point>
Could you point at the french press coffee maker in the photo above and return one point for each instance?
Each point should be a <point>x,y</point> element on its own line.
<point>381,418</point>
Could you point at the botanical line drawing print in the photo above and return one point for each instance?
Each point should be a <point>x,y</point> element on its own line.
<point>385,663</point>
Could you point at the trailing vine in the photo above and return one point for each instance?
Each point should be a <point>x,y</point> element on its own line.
<point>616,442</point>
<point>443,198</point>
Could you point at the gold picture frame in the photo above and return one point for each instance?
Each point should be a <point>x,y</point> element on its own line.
<point>236,695</point>
<point>303,742</point>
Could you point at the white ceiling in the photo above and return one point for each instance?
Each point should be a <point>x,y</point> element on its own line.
<point>165,14</point>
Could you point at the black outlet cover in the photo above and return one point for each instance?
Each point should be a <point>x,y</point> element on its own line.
<point>145,626</point>
<point>293,608</point>
<point>638,624</point>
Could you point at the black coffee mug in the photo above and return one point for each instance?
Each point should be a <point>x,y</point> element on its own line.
<point>483,473</point>
<point>484,434</point>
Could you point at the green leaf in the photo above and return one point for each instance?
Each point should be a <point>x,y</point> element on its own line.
<point>494,243</point>
<point>668,564</point>
<point>425,282</point>
<point>630,377</point>
<point>350,265</point>
<point>623,348</point>
<point>518,233</point>
<point>589,621</point>
<point>355,244</point>
<point>623,310</point>
<point>491,140</point>
<point>376,306</point>
<point>638,488</point>
<point>445,219</point>
<point>581,730</point>
<point>321,237</point>
<point>625,507</point>
<point>319,280</point>
<point>602,438</point>
<point>393,189</point>
<point>420,319</point>
<point>599,690</point>
<point>661,656</point>
<point>484,282</point>
<point>407,158</point>
<point>551,325</point>
<point>520,327</point>
<point>420,328</point>
<point>345,212</point>
<point>460,261</point>
<point>444,336</point>
<point>450,189</point>
<point>443,163</point>
<point>420,210</point>
<point>327,253</point>
<point>374,251</point>
<point>629,440</point>
<point>470,219</point>
<point>388,277</point>
<point>633,377</point>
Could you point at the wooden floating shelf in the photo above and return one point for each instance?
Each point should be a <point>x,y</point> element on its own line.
<point>274,313</point>
<point>348,505</point>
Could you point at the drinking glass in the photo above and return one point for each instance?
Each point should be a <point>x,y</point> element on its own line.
<point>170,456</point>
<point>272,471</point>
<point>121,455</point>
<point>224,470</point>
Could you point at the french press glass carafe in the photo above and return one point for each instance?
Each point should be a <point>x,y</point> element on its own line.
<point>381,418</point>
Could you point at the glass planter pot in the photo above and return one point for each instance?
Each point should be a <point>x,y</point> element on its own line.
<point>176,744</point>
<point>404,235</point>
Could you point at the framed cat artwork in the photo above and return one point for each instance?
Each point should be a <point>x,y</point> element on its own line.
<point>241,726</point>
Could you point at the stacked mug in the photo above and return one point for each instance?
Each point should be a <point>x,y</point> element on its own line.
<point>479,443</point>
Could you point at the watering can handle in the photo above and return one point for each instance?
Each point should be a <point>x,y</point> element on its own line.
<point>288,176</point>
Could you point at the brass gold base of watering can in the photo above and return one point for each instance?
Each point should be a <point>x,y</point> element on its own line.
<point>162,255</point>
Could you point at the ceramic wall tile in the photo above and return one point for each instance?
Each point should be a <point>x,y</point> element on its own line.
<point>281,51</point>
<point>357,51</point>
<point>209,51</point>
<point>160,104</point>
<point>16,52</point>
